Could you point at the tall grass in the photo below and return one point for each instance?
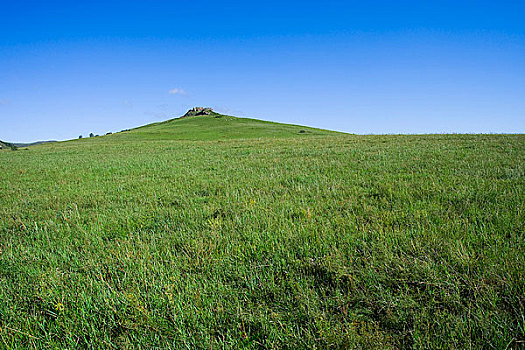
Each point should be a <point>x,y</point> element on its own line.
<point>322,241</point>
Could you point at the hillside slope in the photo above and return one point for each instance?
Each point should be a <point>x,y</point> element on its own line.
<point>231,233</point>
<point>217,126</point>
<point>29,144</point>
<point>6,145</point>
<point>9,145</point>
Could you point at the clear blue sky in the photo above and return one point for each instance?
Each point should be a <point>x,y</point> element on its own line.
<point>69,68</point>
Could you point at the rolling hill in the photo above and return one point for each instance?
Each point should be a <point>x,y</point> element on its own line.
<point>210,231</point>
<point>8,145</point>
<point>5,145</point>
<point>217,126</point>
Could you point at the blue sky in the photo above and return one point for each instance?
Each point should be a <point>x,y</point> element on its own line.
<point>70,68</point>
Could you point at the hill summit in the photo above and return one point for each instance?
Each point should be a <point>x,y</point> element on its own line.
<point>198,111</point>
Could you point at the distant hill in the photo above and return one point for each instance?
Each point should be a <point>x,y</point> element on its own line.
<point>201,123</point>
<point>32,143</point>
<point>7,145</point>
<point>205,124</point>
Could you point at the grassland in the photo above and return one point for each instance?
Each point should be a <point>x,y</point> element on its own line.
<point>217,127</point>
<point>205,233</point>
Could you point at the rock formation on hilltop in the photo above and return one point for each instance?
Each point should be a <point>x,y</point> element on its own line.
<point>198,111</point>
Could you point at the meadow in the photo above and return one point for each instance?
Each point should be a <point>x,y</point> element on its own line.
<point>196,234</point>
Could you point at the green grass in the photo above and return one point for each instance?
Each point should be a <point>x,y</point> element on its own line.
<point>187,235</point>
<point>217,127</point>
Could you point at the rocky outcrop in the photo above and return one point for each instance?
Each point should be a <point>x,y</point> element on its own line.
<point>198,111</point>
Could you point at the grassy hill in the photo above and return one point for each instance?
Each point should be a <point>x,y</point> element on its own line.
<point>32,143</point>
<point>207,232</point>
<point>6,145</point>
<point>216,127</point>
